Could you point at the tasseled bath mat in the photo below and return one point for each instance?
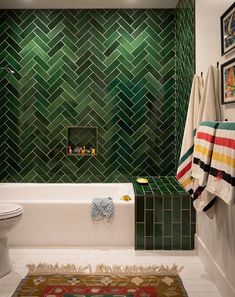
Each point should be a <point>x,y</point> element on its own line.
<point>47,280</point>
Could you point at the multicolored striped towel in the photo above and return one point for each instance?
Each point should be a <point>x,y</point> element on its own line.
<point>202,154</point>
<point>201,164</point>
<point>221,181</point>
<point>185,161</point>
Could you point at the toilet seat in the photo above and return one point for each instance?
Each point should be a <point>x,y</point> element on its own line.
<point>10,210</point>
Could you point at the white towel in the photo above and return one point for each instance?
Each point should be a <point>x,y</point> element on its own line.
<point>210,109</point>
<point>221,180</point>
<point>185,161</point>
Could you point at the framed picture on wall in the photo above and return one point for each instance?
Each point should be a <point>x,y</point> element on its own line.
<point>227,26</point>
<point>228,82</point>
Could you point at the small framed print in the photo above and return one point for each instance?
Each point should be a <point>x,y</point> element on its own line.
<point>228,82</point>
<point>227,26</point>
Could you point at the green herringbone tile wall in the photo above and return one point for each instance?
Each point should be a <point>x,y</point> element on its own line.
<point>113,69</point>
<point>185,65</point>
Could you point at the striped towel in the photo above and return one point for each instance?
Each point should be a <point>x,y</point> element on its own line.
<point>201,164</point>
<point>185,161</point>
<point>221,181</point>
<point>102,208</point>
<point>202,154</point>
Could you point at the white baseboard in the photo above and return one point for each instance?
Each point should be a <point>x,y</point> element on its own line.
<point>224,286</point>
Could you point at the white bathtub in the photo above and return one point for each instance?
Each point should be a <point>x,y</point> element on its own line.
<point>59,215</point>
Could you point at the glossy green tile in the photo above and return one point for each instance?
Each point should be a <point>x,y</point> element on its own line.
<point>149,222</point>
<point>186,202</point>
<point>76,67</point>
<point>167,222</point>
<point>159,209</point>
<point>186,244</point>
<point>167,202</point>
<point>185,64</point>
<point>185,222</point>
<point>177,236</point>
<point>177,209</point>
<point>149,243</point>
<point>140,209</point>
<point>140,236</point>
<point>149,202</point>
<point>158,236</point>
<point>167,243</point>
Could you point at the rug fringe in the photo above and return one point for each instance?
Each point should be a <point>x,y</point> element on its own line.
<point>44,268</point>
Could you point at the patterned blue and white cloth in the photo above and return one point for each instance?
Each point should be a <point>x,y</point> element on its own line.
<point>102,208</point>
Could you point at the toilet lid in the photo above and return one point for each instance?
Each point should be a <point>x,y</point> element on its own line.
<point>10,210</point>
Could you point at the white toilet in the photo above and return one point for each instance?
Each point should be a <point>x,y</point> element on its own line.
<point>10,215</point>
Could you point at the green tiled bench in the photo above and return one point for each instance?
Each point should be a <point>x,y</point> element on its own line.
<point>164,215</point>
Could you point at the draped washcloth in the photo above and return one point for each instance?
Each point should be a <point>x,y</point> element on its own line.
<point>221,181</point>
<point>185,161</point>
<point>102,208</point>
<point>210,110</point>
<point>202,155</point>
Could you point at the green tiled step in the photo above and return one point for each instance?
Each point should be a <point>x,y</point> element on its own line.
<point>112,69</point>
<point>164,215</point>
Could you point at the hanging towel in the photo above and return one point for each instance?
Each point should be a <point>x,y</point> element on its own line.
<point>221,180</point>
<point>102,208</point>
<point>185,161</point>
<point>202,160</point>
<point>210,110</point>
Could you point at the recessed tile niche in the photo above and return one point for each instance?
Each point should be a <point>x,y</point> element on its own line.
<point>82,141</point>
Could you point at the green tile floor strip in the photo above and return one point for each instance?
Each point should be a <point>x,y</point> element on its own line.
<point>112,69</point>
<point>164,215</point>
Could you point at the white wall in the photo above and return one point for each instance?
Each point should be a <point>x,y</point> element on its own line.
<point>216,237</point>
<point>208,44</point>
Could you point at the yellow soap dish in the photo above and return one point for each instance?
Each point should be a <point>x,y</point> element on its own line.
<point>126,198</point>
<point>141,180</point>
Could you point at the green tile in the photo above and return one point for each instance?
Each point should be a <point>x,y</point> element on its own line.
<point>149,243</point>
<point>140,236</point>
<point>167,202</point>
<point>186,244</point>
<point>149,225</point>
<point>186,201</point>
<point>139,209</point>
<point>73,65</point>
<point>158,209</point>
<point>167,223</point>
<point>177,236</point>
<point>185,222</point>
<point>159,236</point>
<point>176,209</point>
<point>167,243</point>
<point>149,202</point>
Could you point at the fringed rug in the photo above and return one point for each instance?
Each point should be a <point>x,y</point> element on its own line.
<point>47,280</point>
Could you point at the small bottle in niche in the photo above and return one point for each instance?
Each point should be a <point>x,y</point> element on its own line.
<point>79,150</point>
<point>70,151</point>
<point>83,151</point>
<point>92,151</point>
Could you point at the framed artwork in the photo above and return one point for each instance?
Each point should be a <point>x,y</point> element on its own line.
<point>228,82</point>
<point>227,26</point>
